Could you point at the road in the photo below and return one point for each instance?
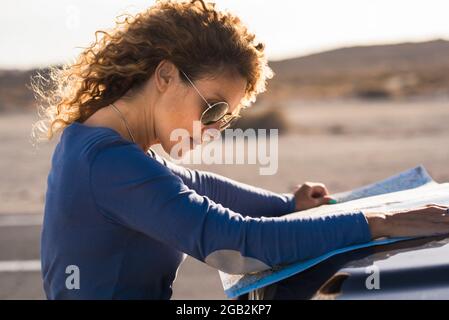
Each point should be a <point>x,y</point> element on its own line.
<point>20,276</point>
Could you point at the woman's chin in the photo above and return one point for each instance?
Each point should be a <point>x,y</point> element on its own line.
<point>179,150</point>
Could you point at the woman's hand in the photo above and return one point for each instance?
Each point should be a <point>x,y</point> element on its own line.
<point>430,220</point>
<point>310,195</point>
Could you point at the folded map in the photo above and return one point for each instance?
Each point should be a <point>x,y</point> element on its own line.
<point>409,189</point>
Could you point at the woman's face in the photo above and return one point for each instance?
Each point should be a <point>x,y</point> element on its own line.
<point>179,105</point>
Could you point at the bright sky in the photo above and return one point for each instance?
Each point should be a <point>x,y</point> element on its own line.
<point>37,33</point>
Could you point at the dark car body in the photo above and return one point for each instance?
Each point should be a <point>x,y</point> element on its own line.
<point>413,269</point>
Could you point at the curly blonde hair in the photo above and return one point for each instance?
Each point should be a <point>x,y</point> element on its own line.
<point>191,34</point>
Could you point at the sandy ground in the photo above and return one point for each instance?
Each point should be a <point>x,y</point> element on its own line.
<point>344,145</point>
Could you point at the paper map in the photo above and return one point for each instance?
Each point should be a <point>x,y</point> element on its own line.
<point>409,189</point>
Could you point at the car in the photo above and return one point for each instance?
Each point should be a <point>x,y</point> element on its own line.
<point>412,269</point>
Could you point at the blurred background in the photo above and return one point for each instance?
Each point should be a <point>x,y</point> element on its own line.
<point>361,92</point>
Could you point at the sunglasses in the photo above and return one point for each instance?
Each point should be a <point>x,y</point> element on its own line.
<point>216,112</point>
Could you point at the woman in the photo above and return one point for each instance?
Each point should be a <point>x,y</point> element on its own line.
<point>124,218</point>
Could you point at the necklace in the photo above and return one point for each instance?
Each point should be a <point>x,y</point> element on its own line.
<point>124,121</point>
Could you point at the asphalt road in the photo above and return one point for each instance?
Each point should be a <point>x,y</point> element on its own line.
<point>20,276</point>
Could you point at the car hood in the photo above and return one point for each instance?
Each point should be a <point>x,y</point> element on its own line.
<point>413,269</point>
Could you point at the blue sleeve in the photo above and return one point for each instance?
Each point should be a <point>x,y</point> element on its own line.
<point>139,193</point>
<point>240,197</point>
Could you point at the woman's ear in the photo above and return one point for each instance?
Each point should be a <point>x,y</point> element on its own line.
<point>164,75</point>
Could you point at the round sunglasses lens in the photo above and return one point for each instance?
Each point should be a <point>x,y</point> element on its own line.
<point>214,113</point>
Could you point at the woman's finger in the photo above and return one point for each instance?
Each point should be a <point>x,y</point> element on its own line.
<point>319,191</point>
<point>328,200</point>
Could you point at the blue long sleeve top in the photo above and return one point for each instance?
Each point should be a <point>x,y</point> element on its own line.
<point>124,220</point>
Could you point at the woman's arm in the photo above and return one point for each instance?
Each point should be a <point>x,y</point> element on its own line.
<point>240,197</point>
<point>135,191</point>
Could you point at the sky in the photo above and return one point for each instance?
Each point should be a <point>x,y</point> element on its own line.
<point>38,33</point>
